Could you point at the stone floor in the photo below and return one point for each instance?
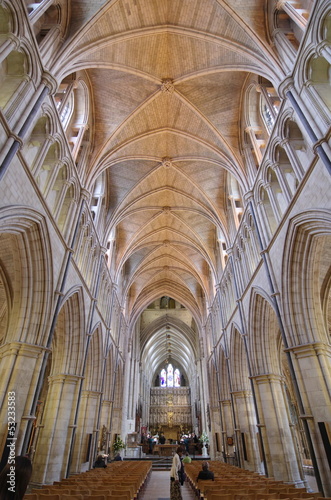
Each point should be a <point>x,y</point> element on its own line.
<point>158,488</point>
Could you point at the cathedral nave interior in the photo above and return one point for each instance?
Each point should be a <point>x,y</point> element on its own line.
<point>165,231</point>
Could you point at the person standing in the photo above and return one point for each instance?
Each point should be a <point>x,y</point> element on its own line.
<point>176,467</point>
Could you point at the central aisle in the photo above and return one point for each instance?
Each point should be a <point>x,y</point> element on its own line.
<point>158,488</point>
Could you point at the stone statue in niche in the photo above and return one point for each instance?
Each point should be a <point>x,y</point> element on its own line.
<point>103,438</point>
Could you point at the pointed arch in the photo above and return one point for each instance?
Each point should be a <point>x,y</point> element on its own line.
<point>264,336</point>
<point>238,361</point>
<point>94,364</point>
<point>69,339</point>
<point>27,275</point>
<point>307,255</point>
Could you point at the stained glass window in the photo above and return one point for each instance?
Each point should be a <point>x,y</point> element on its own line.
<point>170,377</point>
<point>177,378</point>
<point>163,378</point>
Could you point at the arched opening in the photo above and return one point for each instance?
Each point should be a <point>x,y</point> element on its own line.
<point>13,69</point>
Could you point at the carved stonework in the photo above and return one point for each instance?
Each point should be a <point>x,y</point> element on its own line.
<point>166,162</point>
<point>167,86</point>
<point>170,407</point>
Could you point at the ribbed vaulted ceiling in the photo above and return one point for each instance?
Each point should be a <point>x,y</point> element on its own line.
<point>167,79</point>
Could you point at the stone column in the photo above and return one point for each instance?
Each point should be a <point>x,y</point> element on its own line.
<point>50,42</point>
<point>19,369</point>
<point>48,84</point>
<point>312,365</point>
<point>52,448</point>
<point>282,183</point>
<point>251,132</point>
<point>280,448</point>
<point>78,140</point>
<point>295,162</point>
<point>11,43</point>
<point>285,48</point>
<point>324,50</point>
<point>227,418</point>
<point>69,90</point>
<point>39,9</point>
<point>299,16</point>
<point>106,411</point>
<point>273,202</point>
<point>248,425</point>
<point>250,164</point>
<point>42,153</point>
<point>263,90</point>
<point>86,421</point>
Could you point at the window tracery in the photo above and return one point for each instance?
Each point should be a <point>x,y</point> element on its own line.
<point>170,377</point>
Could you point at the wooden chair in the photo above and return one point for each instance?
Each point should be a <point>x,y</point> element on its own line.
<point>72,497</point>
<point>101,491</point>
<point>264,495</point>
<point>115,490</point>
<point>311,494</point>
<point>244,496</point>
<point>50,496</point>
<point>52,491</point>
<point>289,495</point>
<point>115,496</point>
<point>96,497</point>
<point>203,484</point>
<point>218,496</point>
<point>312,498</point>
<point>210,490</point>
<point>278,489</point>
<point>127,486</point>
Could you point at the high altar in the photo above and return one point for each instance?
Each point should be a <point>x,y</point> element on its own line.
<point>170,411</point>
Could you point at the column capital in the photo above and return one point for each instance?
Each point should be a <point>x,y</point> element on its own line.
<point>264,378</point>
<point>14,40</point>
<point>28,350</point>
<point>248,196</point>
<point>89,393</point>
<point>242,394</point>
<point>85,194</point>
<point>64,378</point>
<point>280,4</point>
<point>50,81</point>
<point>285,86</point>
<point>284,142</point>
<point>323,48</point>
<point>309,349</point>
<point>17,139</point>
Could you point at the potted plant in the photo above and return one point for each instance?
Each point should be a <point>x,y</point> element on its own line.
<point>204,439</point>
<point>118,445</point>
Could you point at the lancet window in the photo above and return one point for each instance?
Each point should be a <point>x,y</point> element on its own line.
<point>170,377</point>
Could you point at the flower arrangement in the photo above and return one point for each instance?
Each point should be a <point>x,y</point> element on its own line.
<point>204,438</point>
<point>118,444</point>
